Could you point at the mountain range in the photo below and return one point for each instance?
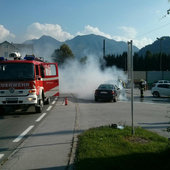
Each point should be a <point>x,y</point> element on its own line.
<point>92,45</point>
<point>160,45</point>
<point>85,45</point>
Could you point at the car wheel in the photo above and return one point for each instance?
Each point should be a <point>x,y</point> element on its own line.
<point>96,99</point>
<point>156,94</point>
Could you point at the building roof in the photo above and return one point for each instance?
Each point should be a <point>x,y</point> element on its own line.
<point>6,42</point>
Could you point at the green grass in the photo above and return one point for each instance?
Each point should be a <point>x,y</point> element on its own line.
<point>105,148</point>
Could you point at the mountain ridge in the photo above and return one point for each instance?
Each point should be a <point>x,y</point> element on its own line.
<point>160,45</point>
<point>81,45</point>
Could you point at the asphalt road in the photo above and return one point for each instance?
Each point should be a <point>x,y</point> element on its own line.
<point>50,144</point>
<point>12,126</point>
<point>150,113</point>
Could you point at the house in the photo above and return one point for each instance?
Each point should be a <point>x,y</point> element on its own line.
<point>7,48</point>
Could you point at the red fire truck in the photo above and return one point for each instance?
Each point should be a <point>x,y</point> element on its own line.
<point>28,81</point>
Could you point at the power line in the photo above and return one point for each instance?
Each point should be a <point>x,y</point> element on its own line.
<point>155,29</point>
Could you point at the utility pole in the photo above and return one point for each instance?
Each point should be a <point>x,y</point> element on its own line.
<point>130,58</point>
<point>104,48</point>
<point>160,66</point>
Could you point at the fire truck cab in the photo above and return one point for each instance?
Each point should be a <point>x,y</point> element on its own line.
<point>28,81</point>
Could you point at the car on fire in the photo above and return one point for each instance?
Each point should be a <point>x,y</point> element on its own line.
<point>107,92</point>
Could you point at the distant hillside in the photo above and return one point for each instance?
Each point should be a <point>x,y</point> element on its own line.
<point>80,45</point>
<point>157,46</point>
<point>44,46</point>
<point>93,45</point>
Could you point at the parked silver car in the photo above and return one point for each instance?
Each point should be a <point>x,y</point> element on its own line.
<point>160,81</point>
<point>161,89</point>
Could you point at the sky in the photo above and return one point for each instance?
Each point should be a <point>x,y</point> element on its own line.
<point>142,21</point>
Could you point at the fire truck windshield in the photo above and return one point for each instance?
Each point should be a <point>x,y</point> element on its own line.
<point>16,71</point>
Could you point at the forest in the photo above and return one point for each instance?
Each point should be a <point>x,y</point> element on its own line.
<point>148,62</point>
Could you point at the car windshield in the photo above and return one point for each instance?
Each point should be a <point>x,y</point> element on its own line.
<point>106,87</point>
<point>16,71</point>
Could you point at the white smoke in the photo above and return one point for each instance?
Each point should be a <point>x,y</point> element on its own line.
<point>82,80</point>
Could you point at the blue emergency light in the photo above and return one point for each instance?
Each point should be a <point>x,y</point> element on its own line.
<point>2,58</point>
<point>29,57</point>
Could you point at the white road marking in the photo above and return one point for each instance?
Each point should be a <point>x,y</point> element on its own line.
<point>63,103</point>
<point>53,102</point>
<point>1,155</point>
<point>49,108</point>
<point>23,134</point>
<point>41,117</point>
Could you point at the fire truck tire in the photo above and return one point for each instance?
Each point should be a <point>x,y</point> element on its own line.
<point>47,101</point>
<point>39,107</point>
<point>2,110</point>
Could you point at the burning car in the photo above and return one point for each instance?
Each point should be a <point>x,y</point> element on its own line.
<point>107,92</point>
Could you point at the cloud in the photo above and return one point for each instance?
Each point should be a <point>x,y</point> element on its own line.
<point>126,34</point>
<point>130,33</point>
<point>5,34</point>
<point>93,30</point>
<point>143,42</point>
<point>137,42</point>
<point>36,30</point>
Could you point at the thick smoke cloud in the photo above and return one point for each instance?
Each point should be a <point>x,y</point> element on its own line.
<point>82,80</point>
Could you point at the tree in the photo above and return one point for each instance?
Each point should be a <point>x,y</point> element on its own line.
<point>148,61</point>
<point>83,60</point>
<point>110,60</point>
<point>62,54</point>
<point>124,58</point>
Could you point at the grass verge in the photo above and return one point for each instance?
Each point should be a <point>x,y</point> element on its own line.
<point>106,148</point>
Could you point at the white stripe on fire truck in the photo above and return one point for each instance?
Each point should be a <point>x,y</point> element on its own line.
<point>52,78</point>
<point>23,134</point>
<point>41,117</point>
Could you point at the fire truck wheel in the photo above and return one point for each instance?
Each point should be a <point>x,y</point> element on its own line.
<point>38,108</point>
<point>47,101</point>
<point>2,110</point>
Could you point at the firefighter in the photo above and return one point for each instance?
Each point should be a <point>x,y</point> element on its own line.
<point>142,88</point>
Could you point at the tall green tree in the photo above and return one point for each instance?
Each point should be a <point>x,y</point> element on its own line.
<point>62,54</point>
<point>148,61</point>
